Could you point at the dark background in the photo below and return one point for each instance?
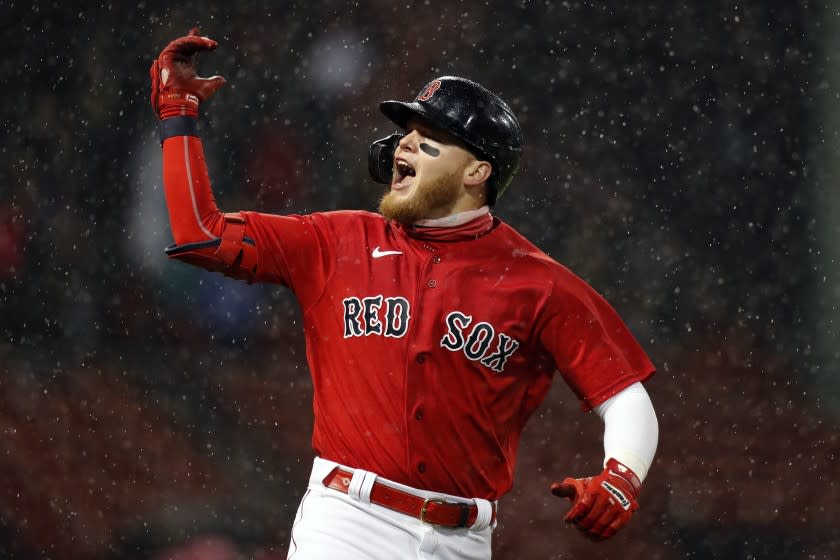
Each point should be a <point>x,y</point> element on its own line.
<point>681,157</point>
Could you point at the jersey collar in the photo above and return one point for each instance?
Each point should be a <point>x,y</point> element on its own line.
<point>471,224</point>
<point>454,219</point>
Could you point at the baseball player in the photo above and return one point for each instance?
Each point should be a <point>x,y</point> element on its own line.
<point>433,329</point>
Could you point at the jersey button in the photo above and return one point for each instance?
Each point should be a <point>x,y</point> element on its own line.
<point>436,259</point>
<point>421,466</point>
<point>418,415</point>
<point>431,283</point>
<point>421,357</point>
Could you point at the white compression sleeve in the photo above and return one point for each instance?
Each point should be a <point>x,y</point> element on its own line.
<point>631,430</point>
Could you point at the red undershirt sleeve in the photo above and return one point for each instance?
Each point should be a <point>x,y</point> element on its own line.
<point>193,214</point>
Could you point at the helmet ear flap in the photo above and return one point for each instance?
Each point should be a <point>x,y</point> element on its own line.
<point>381,158</point>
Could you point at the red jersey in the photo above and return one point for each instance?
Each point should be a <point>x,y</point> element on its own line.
<point>429,348</point>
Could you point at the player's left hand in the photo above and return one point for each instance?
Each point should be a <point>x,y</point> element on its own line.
<point>603,504</point>
<point>176,87</point>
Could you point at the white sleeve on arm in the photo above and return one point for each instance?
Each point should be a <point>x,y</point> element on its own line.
<point>631,431</point>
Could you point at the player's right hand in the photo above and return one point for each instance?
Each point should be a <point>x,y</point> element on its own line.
<point>603,504</point>
<point>176,88</point>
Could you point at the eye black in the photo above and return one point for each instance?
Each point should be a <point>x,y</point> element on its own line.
<point>430,150</point>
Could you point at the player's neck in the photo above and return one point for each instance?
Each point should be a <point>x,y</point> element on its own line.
<point>456,219</point>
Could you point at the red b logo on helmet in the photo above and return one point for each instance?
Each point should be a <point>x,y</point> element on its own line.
<point>429,91</point>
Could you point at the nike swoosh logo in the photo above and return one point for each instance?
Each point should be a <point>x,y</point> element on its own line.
<point>376,253</point>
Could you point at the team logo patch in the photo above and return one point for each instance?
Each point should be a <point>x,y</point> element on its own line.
<point>429,91</point>
<point>617,494</point>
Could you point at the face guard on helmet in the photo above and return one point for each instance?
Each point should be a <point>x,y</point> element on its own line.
<point>468,111</point>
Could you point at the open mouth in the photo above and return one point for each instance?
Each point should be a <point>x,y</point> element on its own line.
<point>402,171</point>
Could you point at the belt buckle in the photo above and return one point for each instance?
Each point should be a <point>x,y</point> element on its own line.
<point>426,502</point>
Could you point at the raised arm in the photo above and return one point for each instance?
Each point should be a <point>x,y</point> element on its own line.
<point>204,236</point>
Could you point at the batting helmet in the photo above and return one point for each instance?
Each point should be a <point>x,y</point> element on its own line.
<point>471,113</point>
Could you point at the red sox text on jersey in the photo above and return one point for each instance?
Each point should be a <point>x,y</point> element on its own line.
<point>365,317</point>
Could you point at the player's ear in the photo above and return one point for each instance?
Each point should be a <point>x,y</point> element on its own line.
<point>477,172</point>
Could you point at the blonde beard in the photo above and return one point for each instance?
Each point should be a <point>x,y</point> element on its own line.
<point>423,203</point>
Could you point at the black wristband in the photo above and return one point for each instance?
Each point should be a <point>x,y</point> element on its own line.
<point>178,126</point>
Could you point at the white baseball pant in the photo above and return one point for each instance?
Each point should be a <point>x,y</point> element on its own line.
<point>332,525</point>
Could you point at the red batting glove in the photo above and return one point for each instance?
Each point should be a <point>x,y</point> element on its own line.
<point>603,504</point>
<point>176,89</point>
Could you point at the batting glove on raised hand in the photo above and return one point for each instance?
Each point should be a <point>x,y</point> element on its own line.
<point>603,504</point>
<point>176,88</point>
